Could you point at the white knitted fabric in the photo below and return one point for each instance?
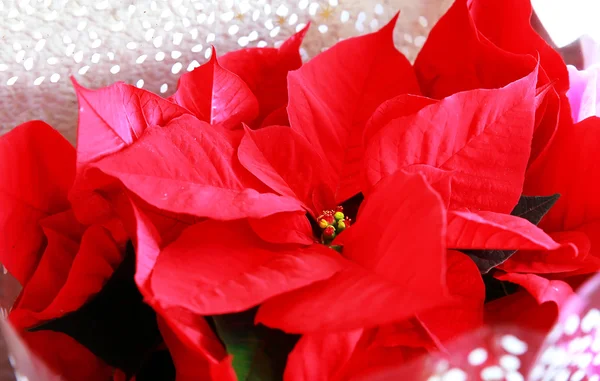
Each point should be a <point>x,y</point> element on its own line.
<point>150,43</point>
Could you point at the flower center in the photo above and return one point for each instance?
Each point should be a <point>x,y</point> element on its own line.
<point>332,223</point>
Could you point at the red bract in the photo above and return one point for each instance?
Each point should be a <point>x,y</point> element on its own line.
<point>233,269</point>
<point>343,355</point>
<point>114,117</point>
<point>216,95</point>
<point>470,61</point>
<point>59,262</point>
<point>190,167</point>
<point>482,137</point>
<point>265,72</point>
<point>30,191</point>
<point>333,95</point>
<point>570,169</point>
<point>508,26</point>
<point>489,46</point>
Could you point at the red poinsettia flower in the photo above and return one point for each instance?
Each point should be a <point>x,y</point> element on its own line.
<point>180,161</point>
<point>59,262</point>
<point>304,165</point>
<point>245,86</point>
<point>233,281</point>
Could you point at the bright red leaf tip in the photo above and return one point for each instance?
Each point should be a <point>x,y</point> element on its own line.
<point>488,230</point>
<point>191,167</point>
<point>216,95</point>
<point>570,257</point>
<point>113,117</point>
<point>398,249</point>
<point>37,167</point>
<point>470,60</point>
<point>508,25</point>
<point>332,96</point>
<point>542,289</point>
<point>482,136</point>
<point>265,72</point>
<point>216,268</point>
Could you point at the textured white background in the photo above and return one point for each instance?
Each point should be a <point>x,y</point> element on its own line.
<point>152,42</point>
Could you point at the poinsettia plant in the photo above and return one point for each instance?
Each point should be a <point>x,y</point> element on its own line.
<point>331,220</point>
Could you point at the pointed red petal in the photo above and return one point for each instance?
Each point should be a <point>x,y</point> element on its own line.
<point>37,167</point>
<point>508,26</point>
<point>114,117</point>
<point>470,60</point>
<point>482,135</point>
<point>321,357</point>
<point>488,230</point>
<point>403,214</point>
<point>284,161</point>
<point>334,125</point>
<point>216,95</point>
<point>190,167</point>
<point>542,289</point>
<point>265,72</point>
<point>216,268</point>
<point>573,255</point>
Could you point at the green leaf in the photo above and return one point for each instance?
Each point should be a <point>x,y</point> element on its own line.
<point>259,353</point>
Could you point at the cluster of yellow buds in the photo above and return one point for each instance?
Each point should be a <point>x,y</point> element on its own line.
<point>332,223</point>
